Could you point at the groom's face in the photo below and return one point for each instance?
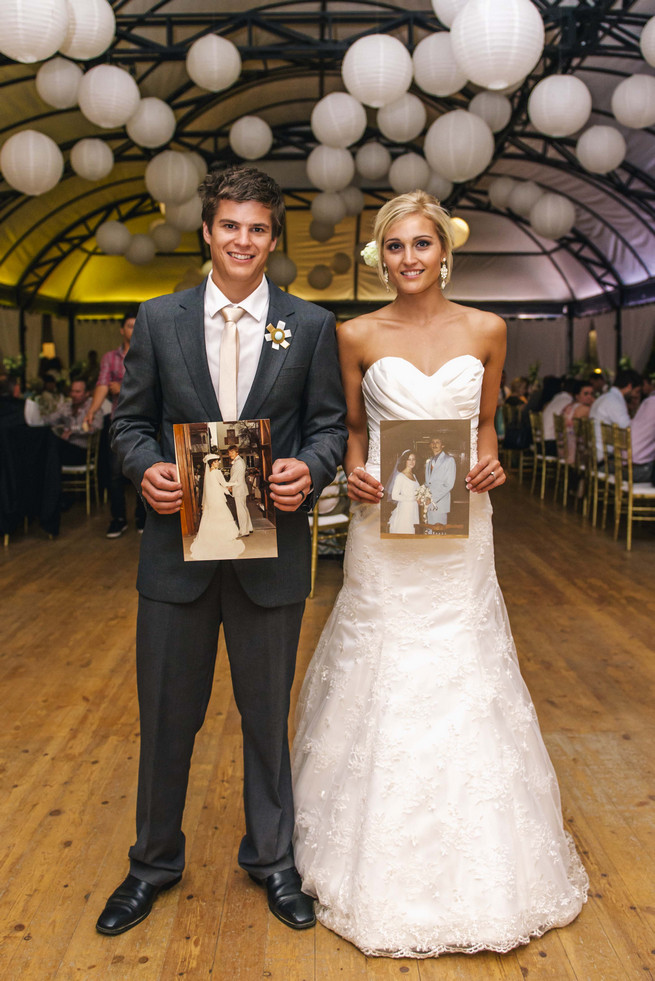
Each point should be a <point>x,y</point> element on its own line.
<point>436,446</point>
<point>240,241</point>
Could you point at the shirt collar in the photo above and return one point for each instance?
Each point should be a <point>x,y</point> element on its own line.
<point>255,305</point>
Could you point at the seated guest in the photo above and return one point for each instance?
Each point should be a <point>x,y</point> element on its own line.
<point>583,399</point>
<point>612,406</point>
<point>555,408</point>
<point>68,423</point>
<point>518,391</point>
<point>12,408</point>
<point>643,436</point>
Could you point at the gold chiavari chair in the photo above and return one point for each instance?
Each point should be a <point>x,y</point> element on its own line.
<point>635,501</point>
<point>606,472</point>
<point>563,465</point>
<point>84,476</point>
<point>583,466</point>
<point>541,458</point>
<point>514,456</point>
<point>329,520</point>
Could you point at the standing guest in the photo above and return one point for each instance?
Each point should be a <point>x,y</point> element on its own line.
<point>643,436</point>
<point>555,408</point>
<point>188,357</point>
<point>70,426</point>
<point>112,370</point>
<point>612,406</point>
<point>518,391</point>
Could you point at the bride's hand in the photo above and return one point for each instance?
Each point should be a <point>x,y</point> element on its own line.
<point>485,475</point>
<point>364,488</point>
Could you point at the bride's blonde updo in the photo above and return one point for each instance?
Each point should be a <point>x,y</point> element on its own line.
<point>413,203</point>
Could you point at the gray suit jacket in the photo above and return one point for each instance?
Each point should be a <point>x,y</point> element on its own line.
<point>167,381</point>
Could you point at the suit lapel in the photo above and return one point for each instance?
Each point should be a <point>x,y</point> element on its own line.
<point>270,361</point>
<point>190,327</point>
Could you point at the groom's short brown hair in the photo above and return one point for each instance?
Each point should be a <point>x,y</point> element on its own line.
<point>233,447</point>
<point>242,184</point>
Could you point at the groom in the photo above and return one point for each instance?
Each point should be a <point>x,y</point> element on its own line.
<point>239,490</point>
<point>191,352</point>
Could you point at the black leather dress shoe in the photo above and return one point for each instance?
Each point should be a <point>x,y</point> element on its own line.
<point>287,901</point>
<point>129,905</point>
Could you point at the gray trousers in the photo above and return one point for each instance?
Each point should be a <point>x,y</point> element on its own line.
<point>176,654</point>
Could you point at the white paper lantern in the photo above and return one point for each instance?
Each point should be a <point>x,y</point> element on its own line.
<point>447,10</point>
<point>171,177</point>
<point>251,137</point>
<point>408,172</point>
<point>141,250</point>
<point>338,120</point>
<point>373,161</point>
<point>328,207</point>
<point>280,269</point>
<point>523,196</point>
<point>377,69</point>
<point>330,168</point>
<point>113,238</point>
<point>206,268</point>
<point>647,42</point>
<point>153,123</point>
<point>496,44</point>
<point>320,277</point>
<point>500,190</point>
<point>57,82</point>
<point>460,232</point>
<point>31,162</point>
<point>601,149</point>
<point>552,216</point>
<point>199,163</point>
<point>165,236</point>
<point>321,231</point>
<point>435,68</point>
<point>92,159</point>
<point>402,120</point>
<point>341,263</point>
<point>633,101</point>
<point>438,186</point>
<point>495,109</point>
<point>91,29</point>
<point>108,96</point>
<point>32,30</point>
<point>459,145</point>
<point>559,105</point>
<point>213,63</point>
<point>186,216</point>
<point>353,200</point>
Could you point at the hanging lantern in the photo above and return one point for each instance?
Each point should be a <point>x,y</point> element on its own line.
<point>408,172</point>
<point>153,123</point>
<point>91,29</point>
<point>459,145</point>
<point>601,149</point>
<point>447,10</point>
<point>373,161</point>
<point>199,163</point>
<point>31,162</point>
<point>32,30</point>
<point>438,186</point>
<point>435,68</point>
<point>330,168</point>
<point>460,232</point>
<point>338,120</point>
<point>280,269</point>
<point>320,277</point>
<point>141,250</point>
<point>171,177</point>
<point>377,69</point>
<point>496,44</point>
<point>523,196</point>
<point>647,42</point>
<point>57,82</point>
<point>559,105</point>
<point>321,231</point>
<point>353,200</point>
<point>402,120</point>
<point>206,268</point>
<point>251,137</point>
<point>92,159</point>
<point>328,207</point>
<point>113,238</point>
<point>187,217</point>
<point>633,101</point>
<point>552,216</point>
<point>165,236</point>
<point>500,190</point>
<point>495,109</point>
<point>108,96</point>
<point>341,263</point>
<point>213,63</point>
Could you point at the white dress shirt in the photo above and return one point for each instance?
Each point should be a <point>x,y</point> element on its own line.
<point>610,407</point>
<point>251,334</point>
<point>643,431</point>
<point>554,408</point>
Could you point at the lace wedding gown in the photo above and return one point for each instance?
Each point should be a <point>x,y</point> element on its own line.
<point>217,536</point>
<point>428,815</point>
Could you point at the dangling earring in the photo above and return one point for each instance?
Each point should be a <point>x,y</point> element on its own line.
<point>385,277</point>
<point>444,273</point>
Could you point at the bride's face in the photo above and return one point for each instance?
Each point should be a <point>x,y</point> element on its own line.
<point>411,461</point>
<point>412,254</point>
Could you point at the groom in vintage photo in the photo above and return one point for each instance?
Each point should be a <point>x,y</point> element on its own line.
<point>204,354</point>
<point>239,489</point>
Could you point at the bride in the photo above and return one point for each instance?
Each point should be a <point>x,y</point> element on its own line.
<point>428,816</point>
<point>404,490</point>
<point>218,531</point>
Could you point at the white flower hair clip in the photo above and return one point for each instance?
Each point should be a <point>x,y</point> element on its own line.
<point>370,254</point>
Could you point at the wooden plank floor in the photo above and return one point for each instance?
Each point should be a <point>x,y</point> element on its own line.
<point>582,610</point>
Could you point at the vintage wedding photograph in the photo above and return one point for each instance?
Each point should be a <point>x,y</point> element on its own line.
<point>423,465</point>
<point>224,468</point>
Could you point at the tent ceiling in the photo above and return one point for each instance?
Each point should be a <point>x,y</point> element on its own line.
<point>291,58</point>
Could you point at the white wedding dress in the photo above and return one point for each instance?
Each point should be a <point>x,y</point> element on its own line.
<point>405,514</point>
<point>217,536</point>
<point>428,815</point>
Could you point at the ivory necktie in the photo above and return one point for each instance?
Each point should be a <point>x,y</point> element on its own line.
<point>229,364</point>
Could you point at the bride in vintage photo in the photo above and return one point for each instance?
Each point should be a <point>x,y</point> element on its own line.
<point>218,531</point>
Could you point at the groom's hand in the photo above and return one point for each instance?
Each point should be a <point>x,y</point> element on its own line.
<point>289,483</point>
<point>161,488</point>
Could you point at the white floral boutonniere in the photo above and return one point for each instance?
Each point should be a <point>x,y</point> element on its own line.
<point>278,336</point>
<point>370,254</point>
